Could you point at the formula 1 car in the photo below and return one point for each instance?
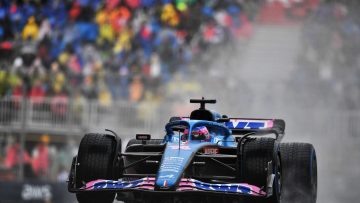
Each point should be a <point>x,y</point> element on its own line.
<point>206,157</point>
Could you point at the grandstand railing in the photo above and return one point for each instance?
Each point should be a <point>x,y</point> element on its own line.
<point>66,116</point>
<point>76,118</point>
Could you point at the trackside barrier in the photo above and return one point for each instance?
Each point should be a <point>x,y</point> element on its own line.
<point>127,119</point>
<point>61,115</point>
<point>35,191</point>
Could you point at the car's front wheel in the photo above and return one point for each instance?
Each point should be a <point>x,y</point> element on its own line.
<point>95,161</point>
<point>258,153</point>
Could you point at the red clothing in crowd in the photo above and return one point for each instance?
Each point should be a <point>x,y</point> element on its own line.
<point>75,11</point>
<point>13,157</point>
<point>59,104</point>
<point>133,3</point>
<point>17,94</point>
<point>246,30</point>
<point>40,162</point>
<point>111,4</point>
<point>37,94</point>
<point>17,91</point>
<point>119,17</point>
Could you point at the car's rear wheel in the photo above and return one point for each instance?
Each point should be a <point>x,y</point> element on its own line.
<point>299,172</point>
<point>95,161</point>
<point>258,152</point>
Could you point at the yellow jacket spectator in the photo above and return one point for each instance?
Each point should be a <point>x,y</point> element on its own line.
<point>31,29</point>
<point>105,99</point>
<point>101,17</point>
<point>106,33</point>
<point>58,82</point>
<point>64,58</point>
<point>123,42</point>
<point>169,15</point>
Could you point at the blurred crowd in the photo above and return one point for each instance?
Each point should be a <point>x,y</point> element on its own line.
<point>42,160</point>
<point>55,51</point>
<point>109,49</point>
<point>332,47</point>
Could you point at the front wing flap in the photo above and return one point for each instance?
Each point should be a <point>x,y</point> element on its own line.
<point>186,184</point>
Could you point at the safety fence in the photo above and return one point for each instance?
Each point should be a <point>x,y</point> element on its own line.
<point>66,116</point>
<point>74,117</point>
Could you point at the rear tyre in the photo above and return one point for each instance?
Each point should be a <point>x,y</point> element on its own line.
<point>299,172</point>
<point>95,158</point>
<point>258,153</point>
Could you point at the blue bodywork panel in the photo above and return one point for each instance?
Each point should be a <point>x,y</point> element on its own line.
<point>179,153</point>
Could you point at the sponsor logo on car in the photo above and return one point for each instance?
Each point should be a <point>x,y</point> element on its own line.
<point>211,150</point>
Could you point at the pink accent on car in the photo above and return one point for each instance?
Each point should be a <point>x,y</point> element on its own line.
<point>90,185</point>
<point>270,124</point>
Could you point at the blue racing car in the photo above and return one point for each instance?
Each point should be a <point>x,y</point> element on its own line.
<point>204,157</point>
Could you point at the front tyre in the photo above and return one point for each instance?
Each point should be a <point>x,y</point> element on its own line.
<point>299,166</point>
<point>95,161</point>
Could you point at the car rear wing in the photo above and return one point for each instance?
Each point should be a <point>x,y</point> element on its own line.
<point>242,126</point>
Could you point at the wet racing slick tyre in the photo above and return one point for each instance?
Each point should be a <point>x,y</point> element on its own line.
<point>95,161</point>
<point>299,173</point>
<point>258,152</point>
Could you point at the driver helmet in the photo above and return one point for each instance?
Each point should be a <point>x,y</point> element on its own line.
<point>199,133</point>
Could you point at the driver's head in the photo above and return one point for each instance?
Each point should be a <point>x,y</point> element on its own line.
<point>199,133</point>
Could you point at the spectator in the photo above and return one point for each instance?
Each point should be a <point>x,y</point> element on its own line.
<point>59,106</point>
<point>123,42</point>
<point>63,53</point>
<point>78,106</point>
<point>133,4</point>
<point>45,29</point>
<point>119,17</point>
<point>75,11</point>
<point>155,67</point>
<point>37,70</point>
<point>37,93</point>
<point>30,30</point>
<point>106,33</point>
<point>105,99</point>
<point>13,157</point>
<point>169,15</point>
<point>40,157</point>
<point>88,88</point>
<point>136,89</point>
